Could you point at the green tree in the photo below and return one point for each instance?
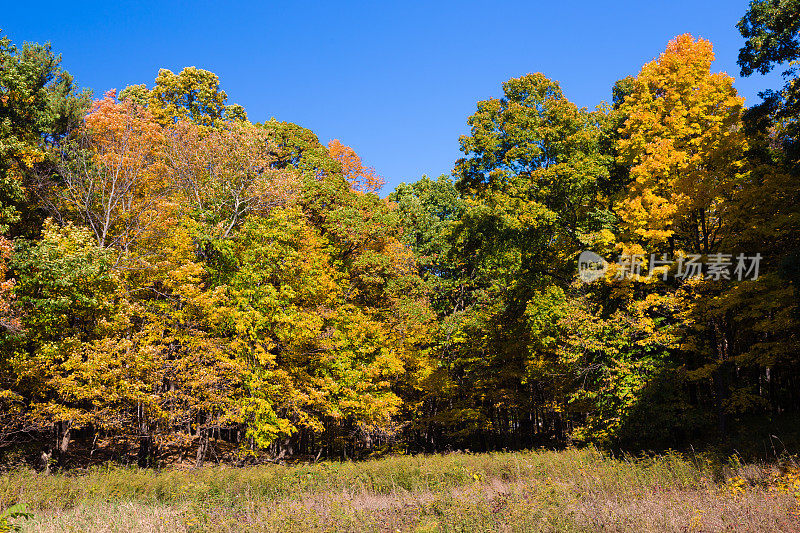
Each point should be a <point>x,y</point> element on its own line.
<point>193,94</point>
<point>428,209</point>
<point>531,181</point>
<point>67,295</point>
<point>39,104</point>
<point>772,32</point>
<point>771,29</point>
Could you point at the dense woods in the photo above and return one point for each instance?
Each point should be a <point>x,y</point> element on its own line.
<point>182,284</point>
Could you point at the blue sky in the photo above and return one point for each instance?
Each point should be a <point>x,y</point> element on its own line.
<point>394,80</point>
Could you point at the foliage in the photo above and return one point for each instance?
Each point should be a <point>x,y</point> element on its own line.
<point>176,280</point>
<point>39,104</point>
<point>193,95</point>
<point>68,302</point>
<point>530,184</point>
<point>684,142</point>
<point>12,513</point>
<point>770,28</point>
<point>361,178</point>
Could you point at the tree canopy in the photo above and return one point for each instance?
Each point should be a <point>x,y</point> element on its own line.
<point>180,283</point>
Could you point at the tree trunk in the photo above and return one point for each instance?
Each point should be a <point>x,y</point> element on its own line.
<point>720,380</point>
<point>45,459</point>
<point>66,436</point>
<point>202,446</point>
<point>145,451</point>
<point>145,440</point>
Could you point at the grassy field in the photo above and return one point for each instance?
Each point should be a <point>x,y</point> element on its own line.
<point>573,490</point>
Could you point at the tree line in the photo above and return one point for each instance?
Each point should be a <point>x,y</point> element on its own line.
<point>182,284</point>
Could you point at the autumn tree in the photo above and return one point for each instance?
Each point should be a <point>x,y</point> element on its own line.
<point>226,173</point>
<point>193,94</point>
<point>361,178</point>
<point>315,357</point>
<point>684,143</point>
<point>530,180</point>
<point>112,174</point>
<point>194,380</point>
<point>67,297</point>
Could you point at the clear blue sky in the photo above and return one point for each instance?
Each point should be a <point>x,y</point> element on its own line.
<point>394,80</point>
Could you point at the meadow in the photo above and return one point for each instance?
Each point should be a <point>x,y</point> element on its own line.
<point>570,490</point>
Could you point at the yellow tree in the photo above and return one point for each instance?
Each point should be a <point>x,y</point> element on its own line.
<point>320,359</point>
<point>192,377</point>
<point>684,142</point>
<point>193,94</point>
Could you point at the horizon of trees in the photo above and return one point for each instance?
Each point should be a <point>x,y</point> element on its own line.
<point>179,282</point>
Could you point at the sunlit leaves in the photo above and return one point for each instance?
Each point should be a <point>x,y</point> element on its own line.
<point>361,178</point>
<point>684,142</point>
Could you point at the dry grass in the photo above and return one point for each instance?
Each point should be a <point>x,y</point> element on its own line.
<point>574,490</point>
